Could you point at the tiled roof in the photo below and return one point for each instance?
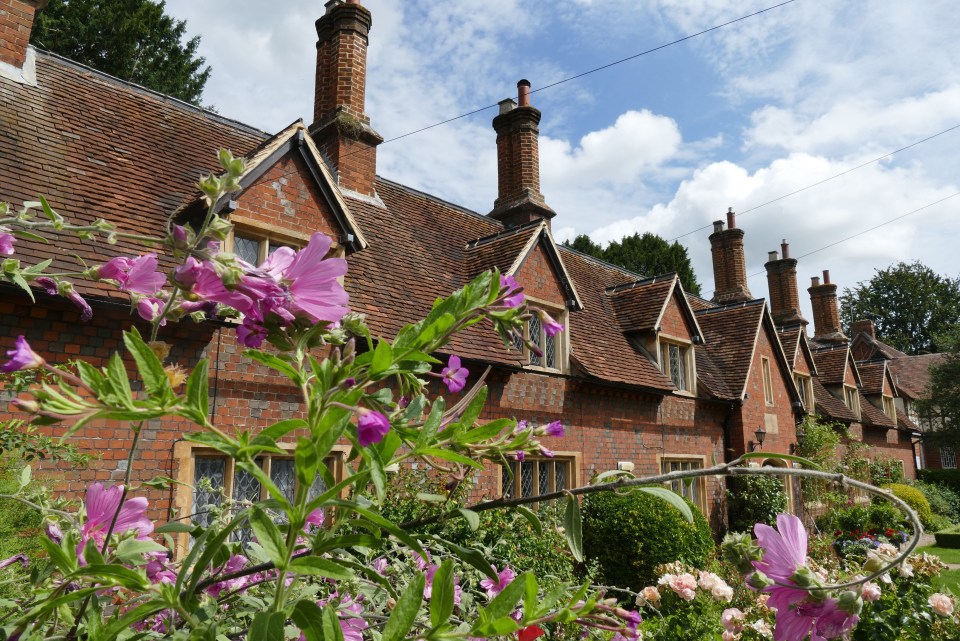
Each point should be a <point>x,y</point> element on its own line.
<point>98,147</point>
<point>499,250</point>
<point>904,423</point>
<point>710,377</point>
<point>912,373</point>
<point>877,348</point>
<point>640,304</point>
<point>698,303</point>
<point>830,406</point>
<point>831,364</point>
<point>873,415</point>
<point>730,333</point>
<point>790,339</point>
<point>871,376</point>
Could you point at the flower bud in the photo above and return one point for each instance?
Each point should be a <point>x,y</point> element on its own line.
<point>758,580</point>
<point>219,228</point>
<point>849,601</point>
<point>27,405</point>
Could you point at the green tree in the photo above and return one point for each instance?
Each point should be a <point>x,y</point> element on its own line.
<point>651,255</point>
<point>910,304</point>
<point>131,39</point>
<point>941,409</point>
<point>582,243</point>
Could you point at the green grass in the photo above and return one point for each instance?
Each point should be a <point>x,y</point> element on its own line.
<point>948,579</point>
<point>947,555</point>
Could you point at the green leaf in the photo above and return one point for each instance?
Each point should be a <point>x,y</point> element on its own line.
<point>316,566</point>
<point>531,517</point>
<point>113,575</point>
<point>150,367</point>
<point>270,435</point>
<point>269,537</point>
<point>382,358</point>
<point>431,425</point>
<point>573,527</point>
<point>132,550</point>
<point>485,432</point>
<point>119,381</point>
<point>25,474</point>
<point>442,594</point>
<point>405,613</point>
<point>330,620</point>
<point>473,519</point>
<point>476,558</point>
<point>267,626</point>
<point>672,498</point>
<point>502,605</point>
<point>173,528</point>
<point>197,397</point>
<point>275,363</point>
<point>64,562</point>
<point>603,477</point>
<point>308,616</point>
<point>785,457</point>
<point>306,461</point>
<point>431,498</point>
<point>472,413</point>
<point>447,455</point>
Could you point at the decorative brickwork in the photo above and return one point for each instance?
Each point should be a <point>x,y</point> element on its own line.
<point>826,312</point>
<point>729,263</point>
<point>782,283</point>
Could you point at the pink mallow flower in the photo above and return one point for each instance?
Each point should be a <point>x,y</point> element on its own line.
<point>550,326</point>
<point>150,308</point>
<point>16,558</point>
<point>352,623</point>
<point>21,357</point>
<point>504,578</point>
<point>428,587</point>
<point>315,518</point>
<point>554,429</point>
<point>313,281</point>
<point>512,292</point>
<point>134,275</point>
<point>234,564</point>
<point>371,427</point>
<point>454,375</point>
<point>101,506</point>
<point>6,242</point>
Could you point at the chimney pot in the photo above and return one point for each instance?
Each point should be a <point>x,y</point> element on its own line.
<point>814,281</point>
<point>782,286</point>
<point>507,104</point>
<point>731,218</point>
<point>826,277</point>
<point>826,310</point>
<point>785,248</point>
<point>717,226</point>
<point>771,256</point>
<point>523,93</point>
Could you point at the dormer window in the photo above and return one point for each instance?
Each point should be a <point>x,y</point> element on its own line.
<point>805,387</point>
<point>553,348</point>
<point>851,399</point>
<point>676,361</point>
<point>889,407</point>
<point>254,246</point>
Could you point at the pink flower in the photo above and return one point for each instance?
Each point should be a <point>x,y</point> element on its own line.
<point>158,572</point>
<point>941,603</point>
<point>234,564</point>
<point>101,506</point>
<point>428,588</point>
<point>380,564</point>
<point>315,518</point>
<point>66,290</point>
<point>6,242</point>
<point>16,558</point>
<point>454,375</point>
<point>550,326</point>
<point>520,455</point>
<point>732,619</point>
<point>21,357</point>
<point>544,451</point>
<point>834,622</point>
<point>150,308</point>
<point>371,427</point>
<point>511,291</point>
<point>684,585</point>
<point>504,578</point>
<point>785,549</point>
<point>871,591</point>
<point>313,281</point>
<point>134,275</point>
<point>352,623</point>
<point>251,333</point>
<point>554,429</point>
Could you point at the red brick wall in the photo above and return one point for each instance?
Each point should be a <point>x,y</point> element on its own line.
<point>16,21</point>
<point>538,278</point>
<point>674,321</point>
<point>890,444</point>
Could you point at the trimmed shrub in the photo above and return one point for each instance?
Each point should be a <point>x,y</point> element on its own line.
<point>755,499</point>
<point>949,538</point>
<point>629,534</point>
<point>915,499</point>
<point>942,499</point>
<point>948,478</point>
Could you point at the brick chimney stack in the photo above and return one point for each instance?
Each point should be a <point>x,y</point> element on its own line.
<point>729,264</point>
<point>864,326</point>
<point>826,312</point>
<point>519,199</point>
<point>340,127</point>
<point>16,23</point>
<point>782,283</point>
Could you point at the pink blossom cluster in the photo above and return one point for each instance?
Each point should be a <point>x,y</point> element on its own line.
<point>716,586</point>
<point>684,585</point>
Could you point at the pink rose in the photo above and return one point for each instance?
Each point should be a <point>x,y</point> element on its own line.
<point>941,603</point>
<point>685,586</point>
<point>871,591</point>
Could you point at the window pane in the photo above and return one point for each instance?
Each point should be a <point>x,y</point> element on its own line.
<point>536,335</point>
<point>543,480</point>
<point>207,494</point>
<point>550,350</point>
<point>506,480</point>
<point>677,371</point>
<point>282,473</point>
<point>246,487</point>
<point>272,247</point>
<point>526,479</point>
<point>561,468</point>
<point>247,248</point>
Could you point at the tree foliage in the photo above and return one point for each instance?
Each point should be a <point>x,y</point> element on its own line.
<point>942,406</point>
<point>131,39</point>
<point>910,304</point>
<point>648,254</point>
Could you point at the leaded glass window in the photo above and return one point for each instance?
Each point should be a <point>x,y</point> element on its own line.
<point>247,248</point>
<point>692,489</point>
<point>673,362</point>
<point>533,477</point>
<point>550,347</point>
<point>208,481</point>
<point>536,333</point>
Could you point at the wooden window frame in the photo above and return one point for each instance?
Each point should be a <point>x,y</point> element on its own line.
<point>889,407</point>
<point>767,380</point>
<point>573,479</point>
<point>561,340</point>
<point>851,398</point>
<point>700,482</point>
<point>687,356</point>
<point>185,455</point>
<point>804,384</point>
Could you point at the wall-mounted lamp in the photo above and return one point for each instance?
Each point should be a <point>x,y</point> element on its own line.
<point>801,434</point>
<point>761,434</point>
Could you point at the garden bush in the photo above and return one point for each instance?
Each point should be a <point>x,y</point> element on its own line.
<point>754,499</point>
<point>948,478</point>
<point>943,500</point>
<point>630,534</point>
<point>886,470</point>
<point>915,499</point>
<point>949,538</point>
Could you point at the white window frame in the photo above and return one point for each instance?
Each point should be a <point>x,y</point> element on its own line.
<point>851,398</point>
<point>561,340</point>
<point>767,380</point>
<point>948,458</point>
<point>804,384</point>
<point>687,358</point>
<point>889,407</point>
<point>694,489</point>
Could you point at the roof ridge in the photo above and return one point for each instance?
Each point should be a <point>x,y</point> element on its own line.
<point>503,233</point>
<point>418,192</point>
<point>830,348</point>
<point>183,104</point>
<point>743,304</point>
<point>616,289</point>
<point>600,261</point>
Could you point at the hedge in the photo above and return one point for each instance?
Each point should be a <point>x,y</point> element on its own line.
<point>949,538</point>
<point>949,478</point>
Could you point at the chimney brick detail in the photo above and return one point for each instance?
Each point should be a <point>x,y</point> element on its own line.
<point>519,199</point>
<point>340,126</point>
<point>826,311</point>
<point>782,283</point>
<point>729,263</point>
<point>865,326</point>
<point>16,23</point>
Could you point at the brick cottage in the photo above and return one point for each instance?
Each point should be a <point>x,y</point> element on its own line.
<point>646,374</point>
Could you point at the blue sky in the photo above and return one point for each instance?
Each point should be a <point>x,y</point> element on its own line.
<point>664,143</point>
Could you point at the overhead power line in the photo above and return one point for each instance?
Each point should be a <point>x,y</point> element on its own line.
<point>870,229</point>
